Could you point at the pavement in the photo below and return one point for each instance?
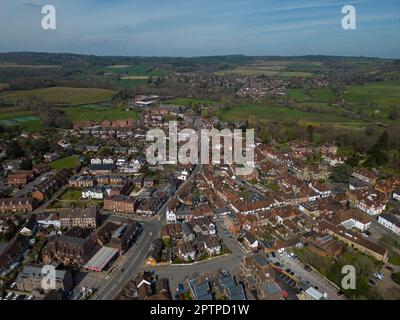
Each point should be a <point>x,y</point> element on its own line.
<point>314,278</point>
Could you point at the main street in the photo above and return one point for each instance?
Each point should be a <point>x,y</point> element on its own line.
<point>133,261</point>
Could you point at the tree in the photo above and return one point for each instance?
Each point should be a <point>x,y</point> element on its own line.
<point>104,152</point>
<point>310,132</point>
<point>14,150</point>
<point>341,173</point>
<point>26,164</point>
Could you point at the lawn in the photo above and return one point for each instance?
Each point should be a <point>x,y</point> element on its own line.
<point>394,258</point>
<point>70,194</point>
<point>62,95</point>
<point>282,114</point>
<point>65,163</point>
<point>383,93</point>
<point>97,113</point>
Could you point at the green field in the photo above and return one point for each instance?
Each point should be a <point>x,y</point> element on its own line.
<point>65,163</point>
<point>191,102</point>
<point>97,113</point>
<point>135,70</point>
<point>383,93</point>
<point>297,95</point>
<point>318,95</point>
<point>25,120</point>
<point>282,114</point>
<point>279,69</point>
<point>70,194</point>
<point>131,83</point>
<point>62,95</point>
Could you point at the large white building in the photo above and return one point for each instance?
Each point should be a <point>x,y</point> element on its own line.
<point>390,222</point>
<point>170,216</point>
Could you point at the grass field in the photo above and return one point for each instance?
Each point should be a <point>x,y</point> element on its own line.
<point>131,83</point>
<point>191,102</point>
<point>278,69</point>
<point>135,70</point>
<point>383,93</point>
<point>97,113</point>
<point>65,163</point>
<point>62,95</point>
<point>25,120</point>
<point>297,95</point>
<point>317,95</point>
<point>70,194</point>
<point>282,114</point>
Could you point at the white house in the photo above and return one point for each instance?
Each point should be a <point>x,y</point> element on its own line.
<point>396,194</point>
<point>97,192</point>
<point>51,220</point>
<point>212,246</point>
<point>321,189</point>
<point>183,175</point>
<point>122,162</point>
<point>170,216</point>
<point>186,251</point>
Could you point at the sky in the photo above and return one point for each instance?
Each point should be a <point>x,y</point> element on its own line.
<point>202,27</point>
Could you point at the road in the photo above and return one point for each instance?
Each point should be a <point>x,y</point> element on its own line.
<point>132,261</point>
<point>28,188</point>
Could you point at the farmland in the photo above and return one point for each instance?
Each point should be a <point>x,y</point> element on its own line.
<point>283,114</point>
<point>383,93</point>
<point>62,95</point>
<point>135,70</point>
<point>319,95</point>
<point>97,113</point>
<point>278,69</point>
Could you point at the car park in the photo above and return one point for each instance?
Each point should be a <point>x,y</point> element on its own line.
<point>372,282</point>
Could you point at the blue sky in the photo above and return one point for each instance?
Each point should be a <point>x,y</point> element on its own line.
<point>202,27</point>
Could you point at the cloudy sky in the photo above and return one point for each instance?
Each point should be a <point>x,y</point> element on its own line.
<point>202,27</point>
